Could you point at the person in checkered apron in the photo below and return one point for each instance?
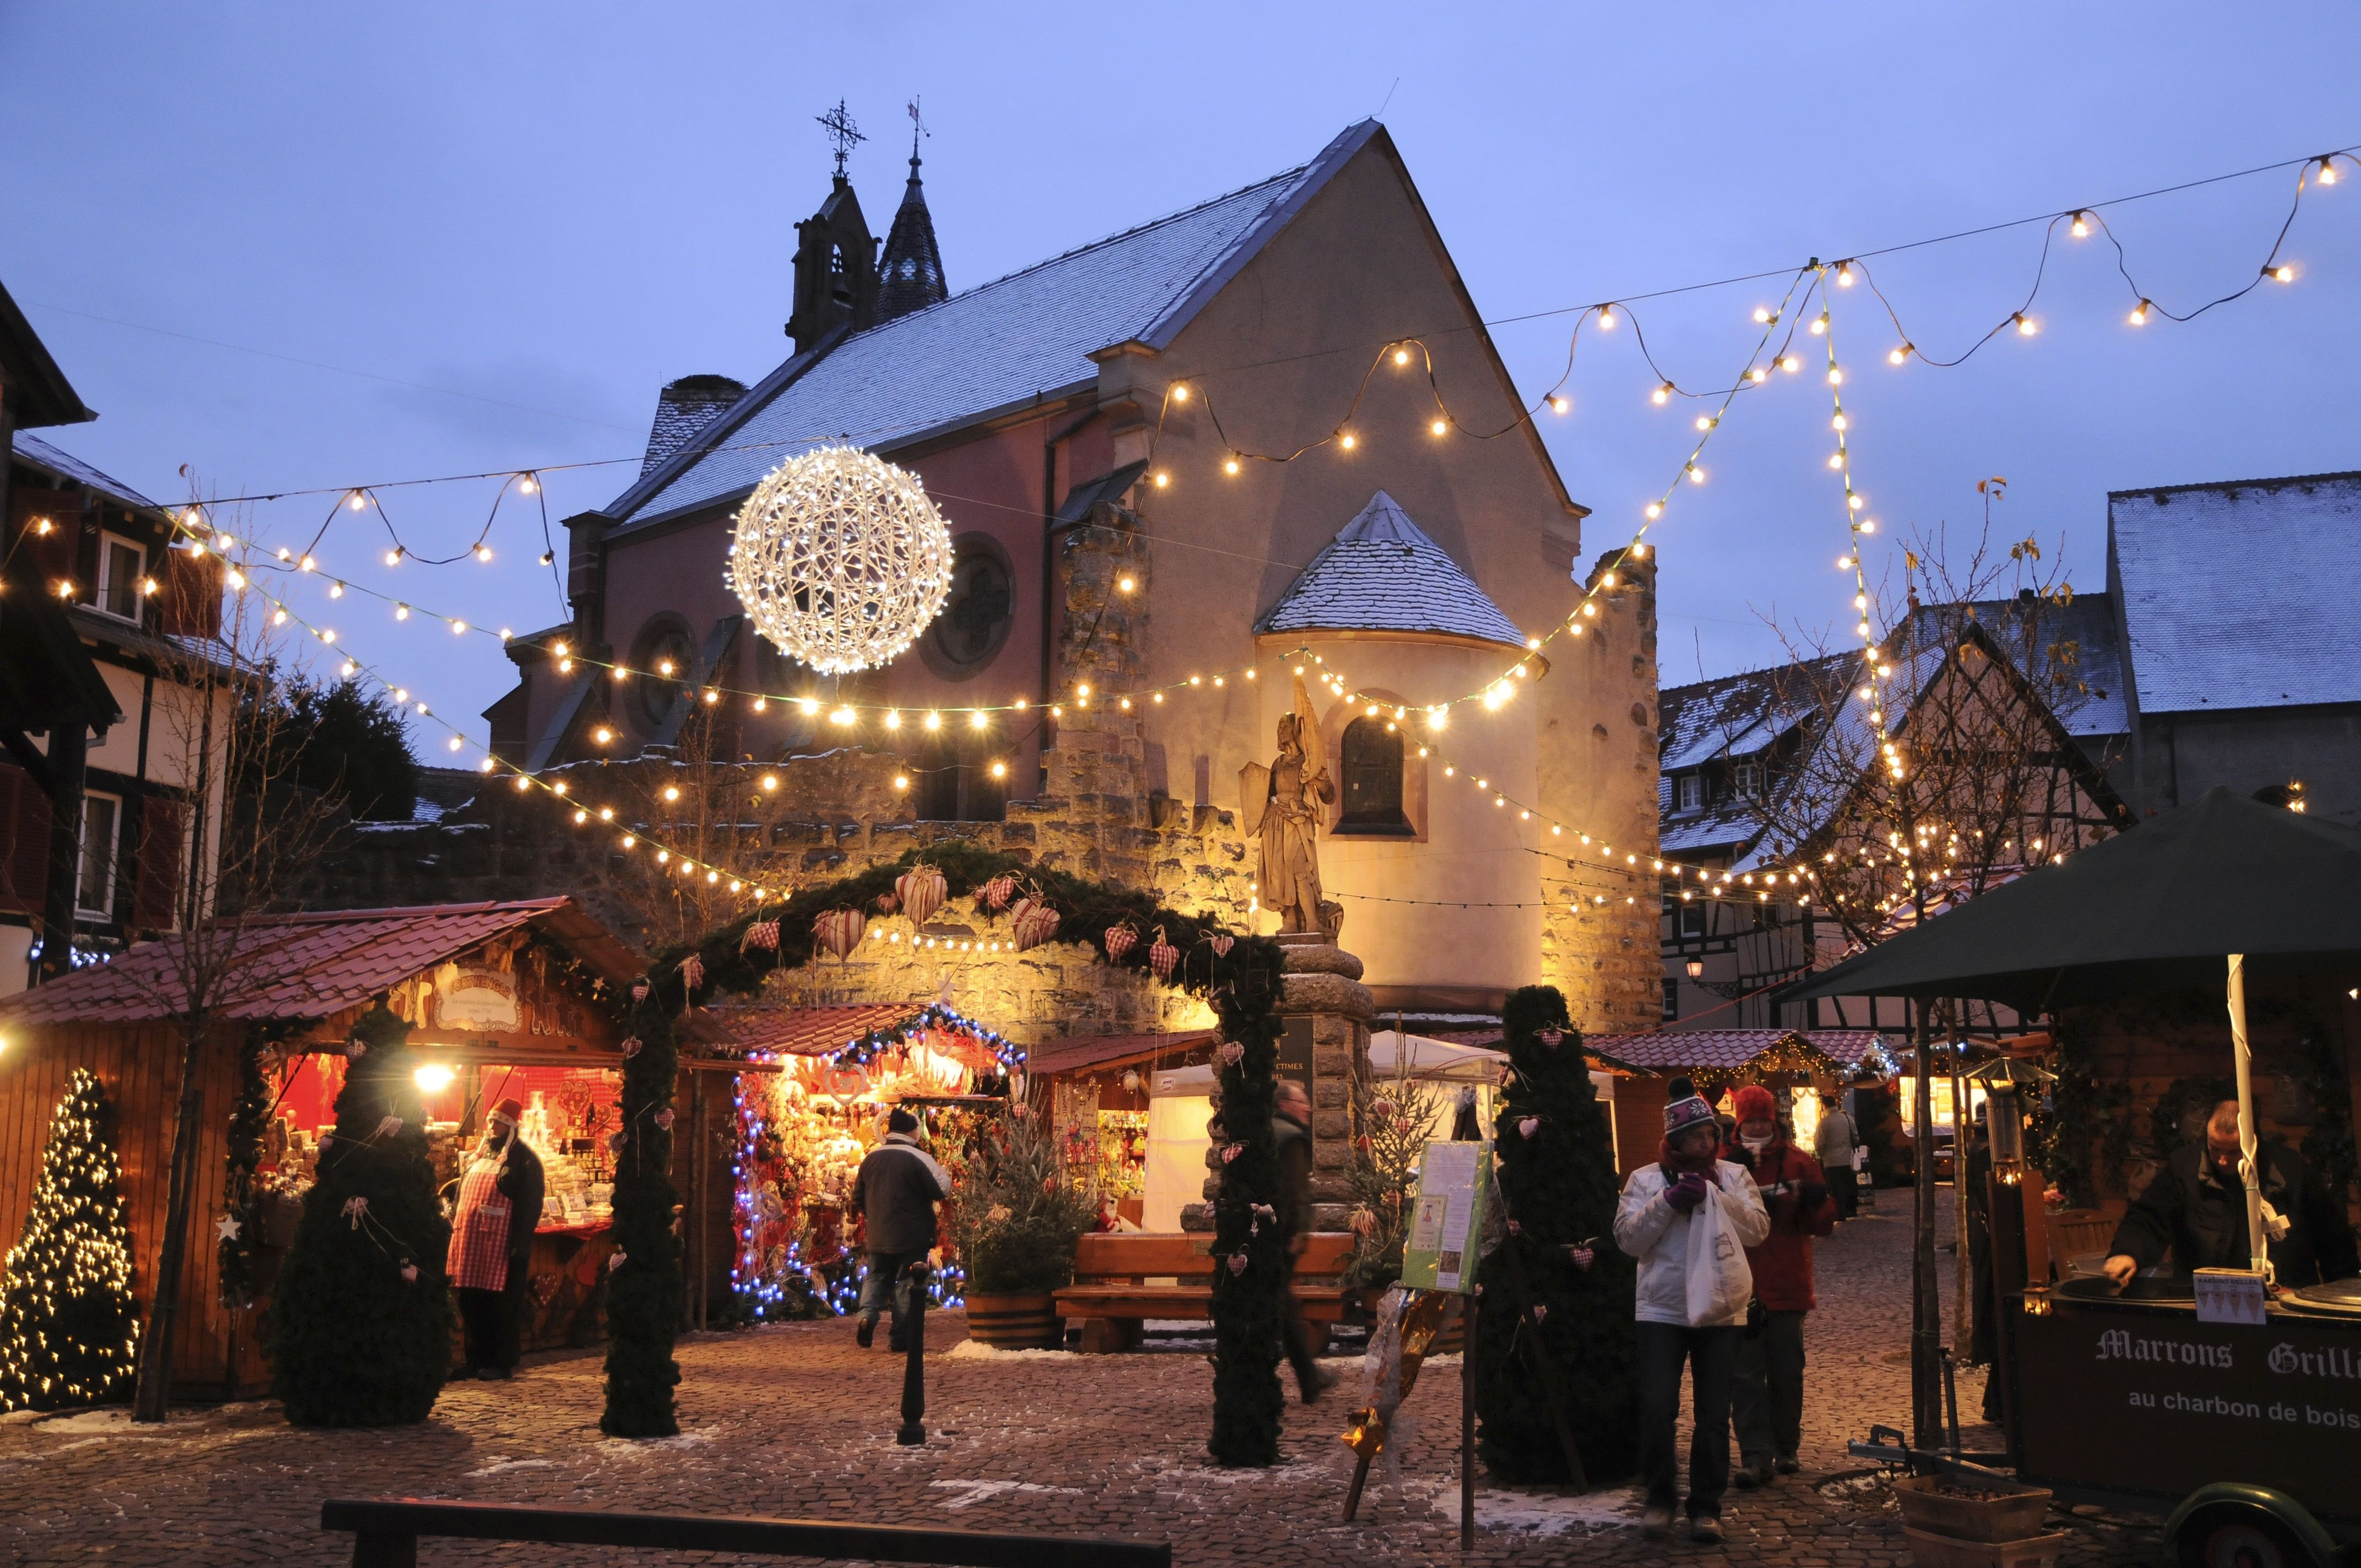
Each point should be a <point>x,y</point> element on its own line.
<point>492,1244</point>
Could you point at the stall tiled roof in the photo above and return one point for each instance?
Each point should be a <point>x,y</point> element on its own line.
<point>812,1031</point>
<point>2285,635</point>
<point>996,346</point>
<point>306,966</point>
<point>1673,1051</point>
<point>1381,573</point>
<point>1081,1054</point>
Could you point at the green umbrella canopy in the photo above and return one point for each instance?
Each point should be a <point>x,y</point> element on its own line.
<point>2156,908</point>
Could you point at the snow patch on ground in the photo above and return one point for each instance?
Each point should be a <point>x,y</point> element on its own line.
<point>697,1438</point>
<point>974,1492</point>
<point>500,1466</point>
<point>1545,1515</point>
<point>976,1350</point>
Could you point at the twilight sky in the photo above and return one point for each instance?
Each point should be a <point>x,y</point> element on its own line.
<point>298,246</point>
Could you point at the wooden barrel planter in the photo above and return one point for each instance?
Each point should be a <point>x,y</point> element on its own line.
<point>1027,1322</point>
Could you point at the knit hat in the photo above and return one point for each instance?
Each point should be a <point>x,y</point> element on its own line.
<point>1683,1107</point>
<point>1752,1103</point>
<point>509,1111</point>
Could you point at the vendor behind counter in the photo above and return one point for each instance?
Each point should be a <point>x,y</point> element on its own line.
<point>2195,1209</point>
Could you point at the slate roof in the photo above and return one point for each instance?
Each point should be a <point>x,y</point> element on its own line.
<point>311,966</point>
<point>1671,1050</point>
<point>1381,573</point>
<point>1083,1054</point>
<point>35,451</point>
<point>999,346</point>
<point>683,408</point>
<point>2089,624</point>
<point>2239,594</point>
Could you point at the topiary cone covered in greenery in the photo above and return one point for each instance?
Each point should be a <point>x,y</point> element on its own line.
<point>1249,1252</point>
<point>1559,1186</point>
<point>362,1319</point>
<point>644,1288</point>
<point>68,1324</point>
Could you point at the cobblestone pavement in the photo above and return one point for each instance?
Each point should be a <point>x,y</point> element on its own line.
<point>797,1421</point>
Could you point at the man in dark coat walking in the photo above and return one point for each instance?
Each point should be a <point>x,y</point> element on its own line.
<point>896,1190</point>
<point>1290,1124</point>
<point>2196,1207</point>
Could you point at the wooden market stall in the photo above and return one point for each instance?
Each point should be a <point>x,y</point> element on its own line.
<point>1717,1060</point>
<point>1146,1147</point>
<point>811,1104</point>
<point>507,999</point>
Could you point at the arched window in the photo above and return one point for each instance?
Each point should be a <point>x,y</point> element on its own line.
<point>1371,795</point>
<point>662,660</point>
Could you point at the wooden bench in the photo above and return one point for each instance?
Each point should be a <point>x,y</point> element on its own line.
<point>1111,1297</point>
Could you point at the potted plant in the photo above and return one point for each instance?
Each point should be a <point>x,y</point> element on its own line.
<point>1016,1225</point>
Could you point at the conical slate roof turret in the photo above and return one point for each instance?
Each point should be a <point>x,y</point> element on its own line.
<point>911,277</point>
<point>1381,573</point>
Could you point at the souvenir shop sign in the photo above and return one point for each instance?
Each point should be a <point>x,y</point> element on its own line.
<point>1446,1218</point>
<point>477,999</point>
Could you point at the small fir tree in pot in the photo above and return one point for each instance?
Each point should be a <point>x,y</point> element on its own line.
<point>1014,1222</point>
<point>68,1324</point>
<point>1556,1166</point>
<point>361,1318</point>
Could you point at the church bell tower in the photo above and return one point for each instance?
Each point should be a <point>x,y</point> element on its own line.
<point>835,257</point>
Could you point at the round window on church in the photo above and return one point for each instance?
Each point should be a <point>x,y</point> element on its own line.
<point>979,611</point>
<point>663,663</point>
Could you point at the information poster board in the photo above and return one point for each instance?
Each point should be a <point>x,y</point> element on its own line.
<point>1446,1217</point>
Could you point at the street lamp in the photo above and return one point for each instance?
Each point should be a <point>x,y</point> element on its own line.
<point>1696,968</point>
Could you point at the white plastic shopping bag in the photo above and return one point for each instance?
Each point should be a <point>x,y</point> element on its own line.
<point>1719,1282</point>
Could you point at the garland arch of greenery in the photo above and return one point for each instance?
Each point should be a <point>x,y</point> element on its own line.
<point>1243,987</point>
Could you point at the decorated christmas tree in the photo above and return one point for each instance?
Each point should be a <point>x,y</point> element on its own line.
<point>361,1318</point>
<point>1557,1165</point>
<point>68,1326</point>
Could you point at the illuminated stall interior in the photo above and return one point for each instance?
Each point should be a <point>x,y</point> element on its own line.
<point>804,1126</point>
<point>1145,1148</point>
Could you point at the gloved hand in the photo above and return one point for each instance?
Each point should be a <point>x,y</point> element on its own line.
<point>1809,1198</point>
<point>1686,1193</point>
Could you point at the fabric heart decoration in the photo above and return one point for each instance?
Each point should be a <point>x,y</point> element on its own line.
<point>356,1210</point>
<point>1541,1310</point>
<point>1162,955</point>
<point>639,990</point>
<point>838,931</point>
<point>1528,1127</point>
<point>388,1127</point>
<point>1381,1108</point>
<point>1222,943</point>
<point>356,1049</point>
<point>1232,1052</point>
<point>410,1274</point>
<point>1037,926</point>
<point>994,894</point>
<point>630,1047</point>
<point>887,904</point>
<point>1232,1151</point>
<point>615,1141</point>
<point>1551,1036</point>
<point>664,1118</point>
<point>922,890</point>
<point>1516,1229</point>
<point>615,1259</point>
<point>1120,939</point>
<point>1237,1263</point>
<point>761,936</point>
<point>692,971</point>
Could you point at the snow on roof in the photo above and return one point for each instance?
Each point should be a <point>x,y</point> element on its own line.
<point>1381,573</point>
<point>995,346</point>
<point>33,449</point>
<point>2239,594</point>
<point>1671,1050</point>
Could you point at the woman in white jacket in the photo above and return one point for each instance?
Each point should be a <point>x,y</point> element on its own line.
<point>1688,1219</point>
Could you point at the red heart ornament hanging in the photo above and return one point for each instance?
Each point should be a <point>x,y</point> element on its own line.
<point>1120,939</point>
<point>838,931</point>
<point>1036,925</point>
<point>922,892</point>
<point>994,894</point>
<point>1161,955</point>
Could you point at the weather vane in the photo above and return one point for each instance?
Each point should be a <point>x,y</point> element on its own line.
<point>917,128</point>
<point>842,133</point>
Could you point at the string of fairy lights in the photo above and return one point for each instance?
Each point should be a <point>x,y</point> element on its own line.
<point>1813,283</point>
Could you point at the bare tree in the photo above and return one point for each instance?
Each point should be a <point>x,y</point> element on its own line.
<point>250,833</point>
<point>1923,771</point>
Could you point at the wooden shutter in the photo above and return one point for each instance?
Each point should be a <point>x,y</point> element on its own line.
<point>24,841</point>
<point>156,886</point>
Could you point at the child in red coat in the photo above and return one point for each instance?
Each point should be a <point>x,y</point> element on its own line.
<point>1767,1399</point>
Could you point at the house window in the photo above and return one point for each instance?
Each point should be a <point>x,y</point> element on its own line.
<point>1692,792</point>
<point>1692,919</point>
<point>953,781</point>
<point>1373,780</point>
<point>1672,997</point>
<point>1750,780</point>
<point>102,825</point>
<point>121,566</point>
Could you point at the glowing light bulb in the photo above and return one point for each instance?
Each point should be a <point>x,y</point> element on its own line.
<point>1231,466</point>
<point>1180,392</point>
<point>1836,377</point>
<point>1560,402</point>
<point>1401,355</point>
<point>1348,441</point>
<point>483,551</point>
<point>1899,354</point>
<point>1836,459</point>
<point>1844,274</point>
<point>934,720</point>
<point>979,719</point>
<point>1819,323</point>
<point>1162,480</point>
<point>2139,314</point>
<point>2080,230</point>
<point>1607,317</point>
<point>1791,364</point>
<point>1438,427</point>
<point>357,500</point>
<point>2026,326</point>
<point>1838,422</point>
<point>1696,475</point>
<point>1762,314</point>
<point>2283,273</point>
<point>2327,172</point>
<point>526,485</point>
<point>1662,394</point>
<point>1125,584</point>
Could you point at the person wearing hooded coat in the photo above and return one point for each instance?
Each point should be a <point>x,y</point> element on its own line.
<point>1652,1224</point>
<point>1767,1399</point>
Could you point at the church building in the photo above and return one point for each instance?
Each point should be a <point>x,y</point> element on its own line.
<point>1130,566</point>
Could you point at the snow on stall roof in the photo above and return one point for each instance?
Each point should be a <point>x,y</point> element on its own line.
<point>2239,594</point>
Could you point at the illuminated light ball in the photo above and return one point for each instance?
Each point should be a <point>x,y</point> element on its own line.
<point>841,559</point>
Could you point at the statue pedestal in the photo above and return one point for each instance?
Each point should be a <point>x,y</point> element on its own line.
<point>1324,1012</point>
